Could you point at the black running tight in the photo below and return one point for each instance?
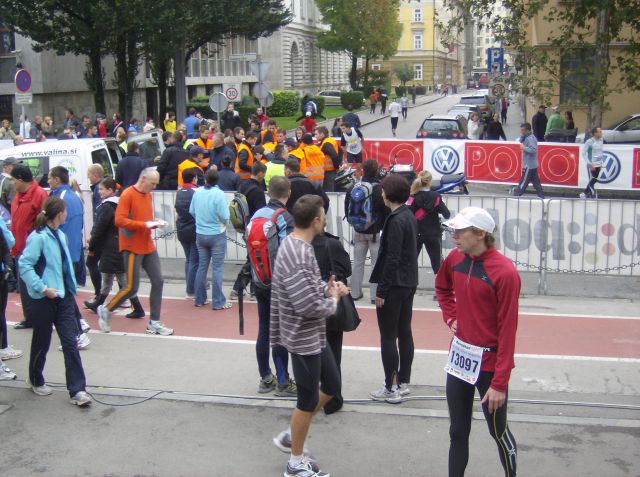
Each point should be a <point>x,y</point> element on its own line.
<point>460,400</point>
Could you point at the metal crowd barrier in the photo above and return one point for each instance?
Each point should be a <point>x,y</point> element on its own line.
<point>543,236</point>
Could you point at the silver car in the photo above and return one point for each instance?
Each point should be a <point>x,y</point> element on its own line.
<point>626,131</point>
<point>331,97</point>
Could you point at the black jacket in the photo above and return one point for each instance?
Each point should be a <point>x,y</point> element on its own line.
<point>432,204</point>
<point>381,210</point>
<point>230,120</point>
<point>332,258</point>
<point>539,125</point>
<point>128,170</point>
<point>254,193</point>
<point>495,131</point>
<point>218,153</point>
<point>228,180</point>
<point>171,158</point>
<point>185,222</point>
<point>301,185</point>
<point>104,238</point>
<point>397,263</point>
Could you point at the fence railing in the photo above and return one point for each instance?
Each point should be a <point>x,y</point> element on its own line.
<point>544,236</point>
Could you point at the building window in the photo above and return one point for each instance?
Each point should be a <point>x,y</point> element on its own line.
<point>375,67</point>
<point>417,72</point>
<point>417,15</point>
<point>7,39</point>
<point>417,41</point>
<point>575,74</point>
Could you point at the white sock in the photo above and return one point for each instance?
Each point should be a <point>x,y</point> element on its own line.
<point>295,459</point>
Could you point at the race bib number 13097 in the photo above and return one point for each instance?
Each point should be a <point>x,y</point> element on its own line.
<point>464,361</point>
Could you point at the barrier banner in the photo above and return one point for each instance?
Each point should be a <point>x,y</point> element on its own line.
<point>391,151</point>
<point>444,157</point>
<point>492,162</point>
<point>558,164</point>
<point>635,180</point>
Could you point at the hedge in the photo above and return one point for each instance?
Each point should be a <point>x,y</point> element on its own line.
<point>353,98</point>
<point>285,103</point>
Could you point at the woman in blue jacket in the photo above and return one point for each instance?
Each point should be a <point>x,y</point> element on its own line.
<point>6,352</point>
<point>50,281</point>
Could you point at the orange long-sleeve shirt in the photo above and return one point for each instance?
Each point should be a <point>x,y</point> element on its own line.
<point>134,209</point>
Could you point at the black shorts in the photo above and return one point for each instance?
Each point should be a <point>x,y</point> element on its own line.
<point>357,158</point>
<point>308,371</point>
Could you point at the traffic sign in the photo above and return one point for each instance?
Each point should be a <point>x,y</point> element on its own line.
<point>268,101</point>
<point>498,90</point>
<point>232,91</point>
<point>24,98</point>
<point>260,90</point>
<point>23,80</point>
<point>218,102</point>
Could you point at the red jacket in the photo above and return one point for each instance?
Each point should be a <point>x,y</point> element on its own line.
<point>309,124</point>
<point>24,209</point>
<point>482,294</point>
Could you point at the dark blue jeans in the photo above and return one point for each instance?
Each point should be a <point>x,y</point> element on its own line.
<point>61,313</point>
<point>211,248</point>
<point>279,354</point>
<point>190,265</point>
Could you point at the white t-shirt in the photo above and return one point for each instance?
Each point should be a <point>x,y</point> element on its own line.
<point>394,109</point>
<point>354,144</point>
<point>473,129</point>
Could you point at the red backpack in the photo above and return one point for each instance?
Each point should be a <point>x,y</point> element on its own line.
<point>262,243</point>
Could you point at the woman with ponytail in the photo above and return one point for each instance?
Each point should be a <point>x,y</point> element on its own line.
<point>47,271</point>
<point>426,206</point>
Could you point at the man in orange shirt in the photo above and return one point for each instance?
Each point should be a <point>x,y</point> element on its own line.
<point>134,218</point>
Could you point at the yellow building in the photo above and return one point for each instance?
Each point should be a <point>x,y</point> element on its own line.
<point>559,90</point>
<point>421,47</point>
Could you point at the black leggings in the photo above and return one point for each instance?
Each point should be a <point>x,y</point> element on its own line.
<point>433,246</point>
<point>590,190</point>
<point>460,401</point>
<point>4,295</point>
<point>396,339</point>
<point>308,371</point>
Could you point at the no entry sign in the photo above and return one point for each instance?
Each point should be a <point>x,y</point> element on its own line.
<point>23,81</point>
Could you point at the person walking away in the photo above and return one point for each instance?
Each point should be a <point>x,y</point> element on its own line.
<point>210,209</point>
<point>191,122</point>
<point>352,142</point>
<point>427,206</point>
<point>366,212</point>
<point>478,289</point>
<point>25,207</point>
<point>529,147</point>
<point>494,129</point>
<point>171,158</point>
<point>47,272</point>
<point>300,305</point>
<point>6,267</point>
<point>334,260</point>
<point>373,101</point>
<point>504,107</point>
<point>592,153</point>
<point>404,104</point>
<point>332,157</point>
<point>186,228</point>
<point>258,232</point>
<point>413,95</point>
<point>555,120</point>
<point>396,273</point>
<point>135,220</point>
<point>394,113</point>
<point>539,122</point>
<point>244,158</point>
<point>301,185</point>
<point>383,101</point>
<point>275,166</point>
<point>312,166</point>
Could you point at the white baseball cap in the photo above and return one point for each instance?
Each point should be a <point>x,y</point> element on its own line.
<point>472,217</point>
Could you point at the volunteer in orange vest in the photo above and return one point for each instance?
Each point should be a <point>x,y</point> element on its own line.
<point>269,135</point>
<point>293,149</point>
<point>332,158</point>
<point>205,142</point>
<point>196,161</point>
<point>313,161</point>
<point>244,158</point>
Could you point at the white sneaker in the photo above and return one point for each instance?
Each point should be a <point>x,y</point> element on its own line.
<point>83,341</point>
<point>43,390</point>
<point>104,316</point>
<point>5,373</point>
<point>403,389</point>
<point>283,442</point>
<point>81,399</point>
<point>84,325</point>
<point>383,394</point>
<point>583,195</point>
<point>9,353</point>
<point>155,327</point>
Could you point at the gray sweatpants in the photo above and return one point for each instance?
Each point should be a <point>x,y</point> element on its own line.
<point>151,264</point>
<point>363,243</point>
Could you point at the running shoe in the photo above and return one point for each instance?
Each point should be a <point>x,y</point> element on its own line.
<point>283,442</point>
<point>5,373</point>
<point>267,384</point>
<point>305,468</point>
<point>391,396</point>
<point>155,327</point>
<point>104,316</point>
<point>9,353</point>
<point>84,326</point>
<point>83,341</point>
<point>403,389</point>
<point>43,390</point>
<point>288,389</point>
<point>81,399</point>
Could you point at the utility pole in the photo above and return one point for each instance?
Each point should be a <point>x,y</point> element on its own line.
<point>181,86</point>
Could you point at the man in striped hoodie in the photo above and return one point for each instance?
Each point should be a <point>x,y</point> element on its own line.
<point>300,305</point>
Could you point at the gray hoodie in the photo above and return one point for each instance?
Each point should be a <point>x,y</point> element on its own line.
<point>530,152</point>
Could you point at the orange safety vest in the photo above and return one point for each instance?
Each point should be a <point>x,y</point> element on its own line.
<point>299,154</point>
<point>186,164</point>
<point>244,175</point>
<point>204,145</point>
<point>313,163</point>
<point>328,163</point>
<point>263,134</point>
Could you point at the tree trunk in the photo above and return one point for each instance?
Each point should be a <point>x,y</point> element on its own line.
<point>121,76</point>
<point>602,63</point>
<point>95,78</point>
<point>163,70</point>
<point>353,79</point>
<point>365,73</point>
<point>132,71</point>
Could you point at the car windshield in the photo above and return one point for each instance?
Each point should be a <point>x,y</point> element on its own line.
<point>440,125</point>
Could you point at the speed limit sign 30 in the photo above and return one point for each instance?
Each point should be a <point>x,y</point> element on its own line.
<point>232,91</point>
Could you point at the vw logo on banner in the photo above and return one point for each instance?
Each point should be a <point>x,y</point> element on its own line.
<point>610,168</point>
<point>445,160</point>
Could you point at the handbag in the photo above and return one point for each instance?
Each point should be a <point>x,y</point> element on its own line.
<point>346,317</point>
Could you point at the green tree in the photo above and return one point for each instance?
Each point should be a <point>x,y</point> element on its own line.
<point>361,28</point>
<point>404,72</point>
<point>578,54</point>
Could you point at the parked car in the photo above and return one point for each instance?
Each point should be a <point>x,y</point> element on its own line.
<point>331,97</point>
<point>443,126</point>
<point>484,103</point>
<point>626,131</point>
<point>463,110</point>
